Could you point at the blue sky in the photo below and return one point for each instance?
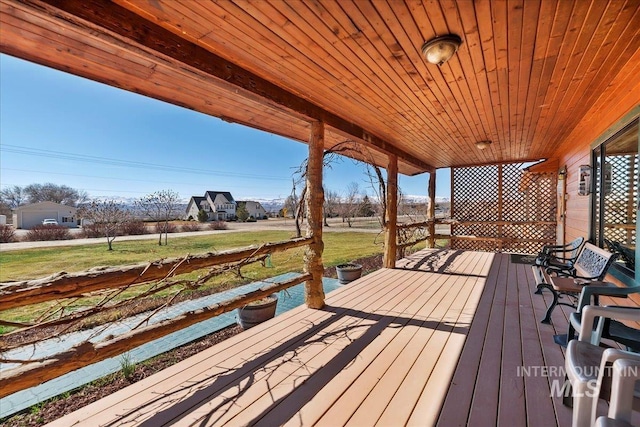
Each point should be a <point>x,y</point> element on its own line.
<point>59,128</point>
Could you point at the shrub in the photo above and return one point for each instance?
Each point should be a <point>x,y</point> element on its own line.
<point>92,231</point>
<point>133,228</point>
<point>191,226</point>
<point>166,227</point>
<point>48,232</point>
<point>202,216</point>
<point>7,234</point>
<point>218,225</point>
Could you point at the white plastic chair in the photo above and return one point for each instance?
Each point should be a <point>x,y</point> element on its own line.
<point>588,365</point>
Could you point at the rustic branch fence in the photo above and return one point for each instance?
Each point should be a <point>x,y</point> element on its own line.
<point>65,286</point>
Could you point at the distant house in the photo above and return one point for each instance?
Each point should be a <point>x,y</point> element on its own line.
<point>254,209</point>
<point>219,206</point>
<point>28,216</point>
<point>193,207</point>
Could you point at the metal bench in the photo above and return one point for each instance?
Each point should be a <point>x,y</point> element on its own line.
<point>590,266</point>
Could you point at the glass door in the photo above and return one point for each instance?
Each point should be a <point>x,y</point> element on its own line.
<point>615,198</point>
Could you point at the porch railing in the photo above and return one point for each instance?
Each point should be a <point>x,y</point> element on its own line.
<point>68,287</point>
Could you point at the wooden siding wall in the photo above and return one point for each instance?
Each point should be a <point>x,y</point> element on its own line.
<point>622,96</point>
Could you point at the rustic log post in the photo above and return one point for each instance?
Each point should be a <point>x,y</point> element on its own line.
<point>314,293</point>
<point>431,214</point>
<point>390,237</point>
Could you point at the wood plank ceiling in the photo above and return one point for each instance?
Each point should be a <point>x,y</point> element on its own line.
<point>526,73</point>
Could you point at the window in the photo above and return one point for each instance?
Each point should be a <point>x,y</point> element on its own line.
<point>615,196</point>
<point>67,219</point>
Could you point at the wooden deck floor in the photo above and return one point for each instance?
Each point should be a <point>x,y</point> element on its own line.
<point>440,340</point>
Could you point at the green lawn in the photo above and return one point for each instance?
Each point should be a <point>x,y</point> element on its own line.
<point>36,263</point>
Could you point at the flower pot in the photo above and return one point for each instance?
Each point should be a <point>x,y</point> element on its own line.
<point>348,272</point>
<point>257,312</point>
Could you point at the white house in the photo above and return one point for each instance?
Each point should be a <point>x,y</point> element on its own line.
<point>219,206</point>
<point>254,209</point>
<point>28,216</point>
<point>193,207</point>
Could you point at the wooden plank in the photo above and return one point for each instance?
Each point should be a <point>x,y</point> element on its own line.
<point>531,19</point>
<point>483,409</point>
<point>480,67</point>
<point>498,16</point>
<point>424,401</point>
<point>539,408</point>
<point>463,384</point>
<point>552,353</point>
<point>514,45</point>
<point>511,406</point>
<point>563,40</point>
<point>581,87</point>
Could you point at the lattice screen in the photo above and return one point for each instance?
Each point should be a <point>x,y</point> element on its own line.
<point>621,198</point>
<point>503,208</point>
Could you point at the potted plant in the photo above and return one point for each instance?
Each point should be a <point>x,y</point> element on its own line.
<point>257,311</point>
<point>348,272</point>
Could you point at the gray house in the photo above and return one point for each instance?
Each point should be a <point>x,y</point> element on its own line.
<point>219,206</point>
<point>28,216</point>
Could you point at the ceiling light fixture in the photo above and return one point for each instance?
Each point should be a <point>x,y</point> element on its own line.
<point>440,49</point>
<point>483,144</point>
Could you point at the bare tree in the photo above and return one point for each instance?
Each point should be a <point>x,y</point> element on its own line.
<point>49,192</point>
<point>107,217</point>
<point>331,204</point>
<point>161,206</point>
<point>13,196</point>
<point>351,202</point>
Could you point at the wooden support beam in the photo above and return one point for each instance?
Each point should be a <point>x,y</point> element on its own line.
<point>314,295</point>
<point>88,353</point>
<point>66,285</point>
<point>390,244</point>
<point>115,19</point>
<point>431,214</point>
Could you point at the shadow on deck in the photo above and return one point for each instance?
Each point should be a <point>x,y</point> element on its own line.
<point>447,338</point>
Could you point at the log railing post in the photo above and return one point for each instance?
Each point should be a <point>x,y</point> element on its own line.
<point>391,214</point>
<point>314,293</point>
<point>431,214</point>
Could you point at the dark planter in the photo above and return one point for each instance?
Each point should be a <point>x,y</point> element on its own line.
<point>348,272</point>
<point>257,312</point>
